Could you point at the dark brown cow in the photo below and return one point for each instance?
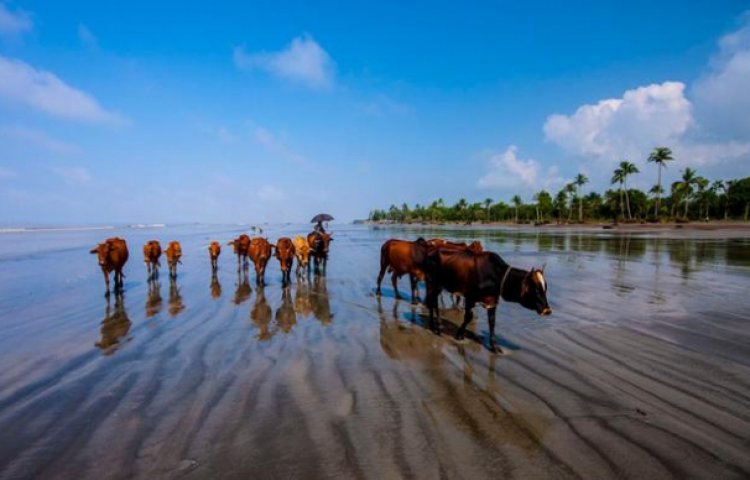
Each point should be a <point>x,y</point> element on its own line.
<point>474,247</point>
<point>112,255</point>
<point>482,278</point>
<point>319,243</point>
<point>403,257</point>
<point>285,254</point>
<point>214,250</point>
<point>151,255</point>
<point>174,254</point>
<point>260,252</point>
<point>240,245</point>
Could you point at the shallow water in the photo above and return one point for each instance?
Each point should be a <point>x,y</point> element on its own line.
<point>643,370</point>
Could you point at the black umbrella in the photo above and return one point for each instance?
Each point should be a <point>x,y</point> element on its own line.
<point>321,217</point>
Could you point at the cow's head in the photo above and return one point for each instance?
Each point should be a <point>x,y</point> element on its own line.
<point>534,292</point>
<point>102,252</point>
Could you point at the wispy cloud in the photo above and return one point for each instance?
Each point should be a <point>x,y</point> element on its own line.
<point>14,23</point>
<point>276,146</point>
<point>74,175</point>
<point>507,171</point>
<point>270,193</point>
<point>87,38</point>
<point>6,173</point>
<point>44,91</point>
<point>38,138</point>
<point>303,61</point>
<point>382,105</point>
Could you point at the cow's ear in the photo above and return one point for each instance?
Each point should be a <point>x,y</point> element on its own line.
<point>94,250</point>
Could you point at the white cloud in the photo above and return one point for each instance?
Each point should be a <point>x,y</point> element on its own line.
<point>303,61</point>
<point>512,174</point>
<point>87,38</point>
<point>276,146</point>
<point>14,23</point>
<point>73,175</point>
<point>269,193</point>
<point>42,90</point>
<point>614,128</point>
<point>38,138</point>
<point>722,95</point>
<point>630,127</point>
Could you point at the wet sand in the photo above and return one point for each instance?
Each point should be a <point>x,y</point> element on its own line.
<point>642,371</point>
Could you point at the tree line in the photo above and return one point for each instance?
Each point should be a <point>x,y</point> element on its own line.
<point>692,197</point>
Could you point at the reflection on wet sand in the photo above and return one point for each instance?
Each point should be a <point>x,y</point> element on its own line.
<point>115,325</point>
<point>215,285</point>
<point>320,303</point>
<point>176,306</point>
<point>153,298</point>
<point>286,317</point>
<point>243,290</point>
<point>261,315</point>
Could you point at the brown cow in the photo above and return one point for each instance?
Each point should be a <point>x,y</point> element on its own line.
<point>285,254</point>
<point>113,254</point>
<point>482,278</point>
<point>475,246</point>
<point>173,253</point>
<point>241,245</point>
<point>151,255</point>
<point>260,252</point>
<point>403,257</point>
<point>302,251</point>
<point>214,250</point>
<point>319,243</point>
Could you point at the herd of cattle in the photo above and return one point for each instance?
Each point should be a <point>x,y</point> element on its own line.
<point>113,254</point>
<point>464,270</point>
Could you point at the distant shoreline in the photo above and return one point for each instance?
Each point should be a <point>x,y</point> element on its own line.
<point>716,225</point>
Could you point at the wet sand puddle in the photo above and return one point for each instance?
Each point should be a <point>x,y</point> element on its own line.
<point>642,371</point>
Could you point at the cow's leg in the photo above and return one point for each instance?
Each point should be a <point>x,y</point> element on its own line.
<point>394,280</point>
<point>491,320</point>
<point>106,281</point>
<point>431,299</point>
<point>380,279</point>
<point>414,289</point>
<point>469,307</point>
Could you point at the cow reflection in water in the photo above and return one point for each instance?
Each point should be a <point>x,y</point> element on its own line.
<point>176,306</point>
<point>153,300</point>
<point>312,298</point>
<point>215,286</point>
<point>243,290</point>
<point>261,315</point>
<point>286,317</point>
<point>115,325</point>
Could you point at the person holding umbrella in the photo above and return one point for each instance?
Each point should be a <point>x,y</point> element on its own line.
<point>318,221</point>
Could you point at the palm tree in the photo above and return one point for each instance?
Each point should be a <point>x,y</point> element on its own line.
<point>570,189</point>
<point>660,156</point>
<point>487,203</point>
<point>619,177</point>
<point>688,180</point>
<point>517,202</point>
<point>580,181</point>
<point>627,169</point>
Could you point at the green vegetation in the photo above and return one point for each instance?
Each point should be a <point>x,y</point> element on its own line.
<point>691,198</point>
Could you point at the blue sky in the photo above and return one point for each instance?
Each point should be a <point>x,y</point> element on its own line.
<point>235,112</point>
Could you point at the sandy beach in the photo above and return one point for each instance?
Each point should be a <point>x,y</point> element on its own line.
<point>642,371</point>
